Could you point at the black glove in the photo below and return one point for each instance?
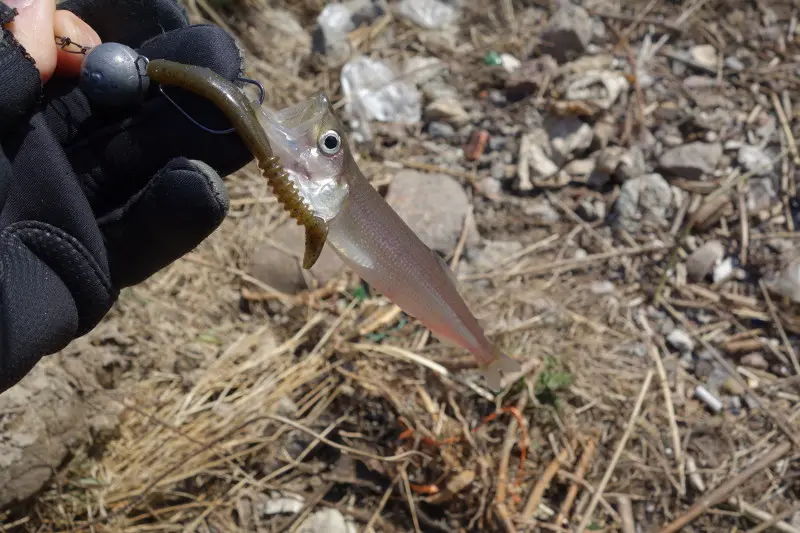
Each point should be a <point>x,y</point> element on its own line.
<point>95,199</point>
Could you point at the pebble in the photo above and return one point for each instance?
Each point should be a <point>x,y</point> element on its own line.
<point>703,368</point>
<point>527,79</point>
<point>703,260</point>
<point>447,109</point>
<point>787,281</point>
<point>724,270</point>
<point>734,63</point>
<point>680,340</point>
<point>705,55</point>
<point>542,211</point>
<point>441,130</point>
<point>732,386</point>
<point>327,521</point>
<point>646,200</point>
<point>568,32</point>
<point>491,187</point>
<point>591,210</point>
<point>692,160</point>
<point>568,136</point>
<point>602,287</point>
<point>754,159</point>
<point>434,206</point>
<point>761,194</point>
<point>755,360</point>
<point>492,254</point>
<point>580,167</point>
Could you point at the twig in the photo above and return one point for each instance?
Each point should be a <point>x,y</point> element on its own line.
<point>384,500</point>
<point>587,516</point>
<point>673,424</point>
<point>626,513</point>
<point>508,445</point>
<point>541,485</point>
<point>779,421</point>
<point>787,129</point>
<point>410,497</point>
<point>580,472</point>
<point>400,353</point>
<point>722,493</point>
<point>769,521</point>
<point>571,264</point>
<point>776,319</point>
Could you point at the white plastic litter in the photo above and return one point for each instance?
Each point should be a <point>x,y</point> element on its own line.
<point>373,91</point>
<point>430,14</point>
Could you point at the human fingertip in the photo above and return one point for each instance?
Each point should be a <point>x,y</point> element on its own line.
<point>69,26</point>
<point>32,28</point>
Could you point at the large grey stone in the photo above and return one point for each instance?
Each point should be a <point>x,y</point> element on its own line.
<point>434,206</point>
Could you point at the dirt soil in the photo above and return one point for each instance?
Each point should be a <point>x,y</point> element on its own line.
<point>630,169</point>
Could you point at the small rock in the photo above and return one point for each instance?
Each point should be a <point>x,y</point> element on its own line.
<point>493,253</point>
<point>724,270</point>
<point>567,136</point>
<point>580,167</point>
<point>601,287</point>
<point>434,206</point>
<point>732,386</point>
<point>568,32</point>
<point>447,109</point>
<point>621,163</point>
<point>441,130</point>
<point>642,201</point>
<point>693,160</point>
<point>527,79</point>
<point>585,210</point>
<point>534,161</point>
<point>277,261</point>
<point>421,70</point>
<point>705,55</point>
<point>591,210</point>
<point>703,368</point>
<point>703,260</point>
<point>734,63</point>
<point>761,195</point>
<point>680,340</point>
<point>327,521</point>
<point>510,63</point>
<point>491,187</point>
<point>598,89</point>
<point>541,211</point>
<point>755,360</point>
<point>787,282</point>
<point>754,159</point>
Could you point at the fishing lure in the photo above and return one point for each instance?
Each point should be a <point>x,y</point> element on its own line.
<point>304,155</point>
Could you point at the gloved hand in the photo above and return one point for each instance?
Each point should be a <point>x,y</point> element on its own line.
<point>95,199</point>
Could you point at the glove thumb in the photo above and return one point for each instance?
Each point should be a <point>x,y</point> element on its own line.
<point>179,207</point>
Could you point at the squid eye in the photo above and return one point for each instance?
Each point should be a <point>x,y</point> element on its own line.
<point>330,143</point>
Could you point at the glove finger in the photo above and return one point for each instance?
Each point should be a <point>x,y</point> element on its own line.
<point>181,206</point>
<point>51,290</point>
<point>115,151</point>
<point>129,22</point>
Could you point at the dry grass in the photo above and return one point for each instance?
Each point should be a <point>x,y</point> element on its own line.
<point>230,400</point>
